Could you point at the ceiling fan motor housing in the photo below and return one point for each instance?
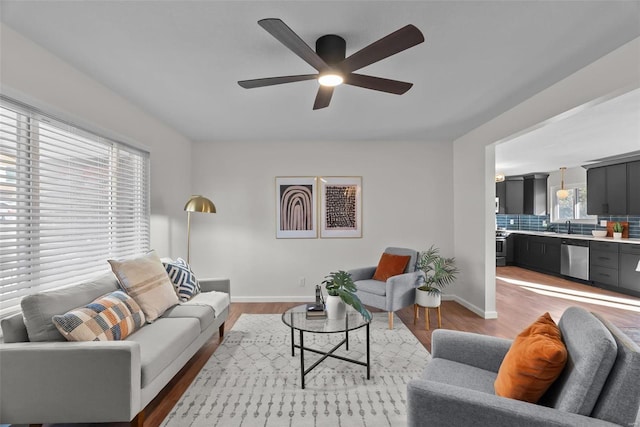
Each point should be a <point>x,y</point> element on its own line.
<point>331,48</point>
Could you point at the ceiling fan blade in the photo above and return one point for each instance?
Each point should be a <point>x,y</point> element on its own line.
<point>287,37</point>
<point>323,98</point>
<point>270,81</point>
<point>378,83</point>
<point>400,40</point>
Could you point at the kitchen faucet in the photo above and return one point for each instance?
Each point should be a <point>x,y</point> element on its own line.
<point>568,224</point>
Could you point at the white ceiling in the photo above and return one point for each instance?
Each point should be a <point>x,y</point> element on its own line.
<point>180,60</point>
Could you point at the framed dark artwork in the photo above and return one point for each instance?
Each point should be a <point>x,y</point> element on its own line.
<point>340,206</point>
<point>296,207</point>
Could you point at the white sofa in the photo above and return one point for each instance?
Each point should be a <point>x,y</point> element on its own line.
<point>45,379</point>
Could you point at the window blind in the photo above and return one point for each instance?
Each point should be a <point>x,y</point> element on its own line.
<point>69,200</point>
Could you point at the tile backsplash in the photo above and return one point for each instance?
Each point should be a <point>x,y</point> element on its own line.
<point>543,223</point>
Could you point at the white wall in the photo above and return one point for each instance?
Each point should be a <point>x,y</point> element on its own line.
<point>407,202</point>
<point>32,75</point>
<point>615,73</point>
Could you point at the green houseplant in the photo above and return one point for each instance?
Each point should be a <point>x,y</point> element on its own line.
<point>618,228</point>
<point>438,273</point>
<point>340,287</point>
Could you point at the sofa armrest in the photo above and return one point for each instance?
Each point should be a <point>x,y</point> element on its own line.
<point>481,351</point>
<point>218,285</point>
<point>400,290</point>
<point>436,404</point>
<point>364,273</point>
<point>53,382</point>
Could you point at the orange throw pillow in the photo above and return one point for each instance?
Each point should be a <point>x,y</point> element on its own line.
<point>390,265</point>
<point>534,361</point>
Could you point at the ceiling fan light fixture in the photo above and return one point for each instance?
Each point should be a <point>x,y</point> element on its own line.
<point>330,79</point>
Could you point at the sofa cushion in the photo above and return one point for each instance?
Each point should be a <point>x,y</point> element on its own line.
<point>534,361</point>
<point>111,317</point>
<point>620,397</point>
<point>375,287</point>
<point>390,265</point>
<point>460,375</point>
<point>146,280</point>
<point>161,343</point>
<point>591,353</point>
<point>38,309</point>
<point>205,314</point>
<point>183,279</point>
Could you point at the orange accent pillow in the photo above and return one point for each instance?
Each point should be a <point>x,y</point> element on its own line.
<point>390,265</point>
<point>534,361</point>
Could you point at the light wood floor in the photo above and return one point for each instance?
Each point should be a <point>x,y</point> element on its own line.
<point>522,296</point>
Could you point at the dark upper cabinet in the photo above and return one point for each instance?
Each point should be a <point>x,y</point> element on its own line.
<point>607,190</point>
<point>535,194</point>
<point>514,195</point>
<point>633,188</point>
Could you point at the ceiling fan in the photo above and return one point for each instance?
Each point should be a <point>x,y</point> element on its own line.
<point>333,68</point>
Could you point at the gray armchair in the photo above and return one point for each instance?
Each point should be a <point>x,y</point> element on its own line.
<point>396,293</point>
<point>599,386</point>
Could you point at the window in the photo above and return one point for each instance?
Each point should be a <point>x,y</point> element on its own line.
<point>573,208</point>
<point>69,200</point>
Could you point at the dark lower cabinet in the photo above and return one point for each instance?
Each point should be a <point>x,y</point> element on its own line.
<point>629,278</point>
<point>603,263</point>
<point>538,253</point>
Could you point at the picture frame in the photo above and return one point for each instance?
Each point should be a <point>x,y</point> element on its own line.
<point>296,207</point>
<point>340,207</point>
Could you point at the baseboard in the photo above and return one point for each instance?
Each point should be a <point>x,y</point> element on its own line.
<point>300,299</point>
<point>477,310</point>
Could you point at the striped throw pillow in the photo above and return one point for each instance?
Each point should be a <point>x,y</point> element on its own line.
<point>146,281</point>
<point>183,279</point>
<point>111,317</point>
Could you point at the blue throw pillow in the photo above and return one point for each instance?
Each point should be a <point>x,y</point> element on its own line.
<point>184,281</point>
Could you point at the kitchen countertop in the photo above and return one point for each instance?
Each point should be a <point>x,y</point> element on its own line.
<point>575,236</point>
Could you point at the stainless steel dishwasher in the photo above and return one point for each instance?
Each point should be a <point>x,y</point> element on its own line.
<point>574,258</point>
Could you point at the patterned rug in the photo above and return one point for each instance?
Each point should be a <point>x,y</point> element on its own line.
<point>252,379</point>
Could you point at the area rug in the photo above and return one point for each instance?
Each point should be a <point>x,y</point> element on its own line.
<point>252,379</point>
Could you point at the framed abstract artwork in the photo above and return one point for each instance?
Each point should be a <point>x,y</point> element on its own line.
<point>296,207</point>
<point>340,206</point>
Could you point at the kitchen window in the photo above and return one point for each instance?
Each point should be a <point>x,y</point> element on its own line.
<point>69,200</point>
<point>573,208</point>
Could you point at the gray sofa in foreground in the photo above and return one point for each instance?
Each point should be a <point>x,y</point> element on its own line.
<point>49,380</point>
<point>599,386</point>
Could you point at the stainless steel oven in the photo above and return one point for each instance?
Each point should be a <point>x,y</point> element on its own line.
<point>502,242</point>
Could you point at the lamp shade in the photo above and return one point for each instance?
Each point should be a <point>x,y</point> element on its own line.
<point>562,194</point>
<point>200,204</point>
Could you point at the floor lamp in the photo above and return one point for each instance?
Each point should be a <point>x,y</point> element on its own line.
<point>196,204</point>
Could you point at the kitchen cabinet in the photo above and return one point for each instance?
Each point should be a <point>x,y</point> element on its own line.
<point>514,195</point>
<point>629,278</point>
<point>603,263</point>
<point>538,253</point>
<point>501,195</point>
<point>607,190</point>
<point>535,194</point>
<point>633,188</point>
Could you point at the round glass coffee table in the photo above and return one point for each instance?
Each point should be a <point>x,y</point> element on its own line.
<point>296,319</point>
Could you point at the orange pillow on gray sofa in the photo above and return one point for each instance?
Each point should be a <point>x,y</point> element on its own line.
<point>534,361</point>
<point>390,265</point>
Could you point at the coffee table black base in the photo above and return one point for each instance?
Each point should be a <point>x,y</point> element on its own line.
<point>326,354</point>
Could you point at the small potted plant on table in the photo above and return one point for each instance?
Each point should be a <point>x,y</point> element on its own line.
<point>341,290</point>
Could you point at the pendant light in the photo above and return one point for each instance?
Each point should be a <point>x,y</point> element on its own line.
<point>562,193</point>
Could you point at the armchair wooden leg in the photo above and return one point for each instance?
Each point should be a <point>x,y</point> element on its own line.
<point>416,313</point>
<point>391,320</point>
<point>439,319</point>
<point>426,318</point>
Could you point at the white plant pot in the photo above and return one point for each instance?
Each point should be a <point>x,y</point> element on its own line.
<point>617,235</point>
<point>426,299</point>
<point>336,308</point>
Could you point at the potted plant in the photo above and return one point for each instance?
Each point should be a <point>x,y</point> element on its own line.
<point>438,273</point>
<point>341,290</point>
<point>618,228</point>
